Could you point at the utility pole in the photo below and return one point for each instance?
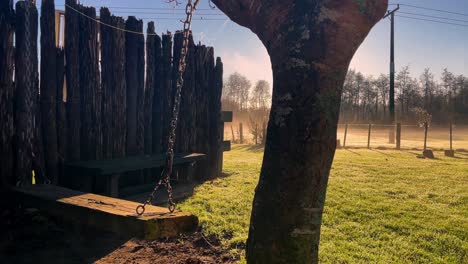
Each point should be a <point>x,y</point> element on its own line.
<point>391,101</point>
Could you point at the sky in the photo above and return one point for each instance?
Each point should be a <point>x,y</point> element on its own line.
<point>418,44</point>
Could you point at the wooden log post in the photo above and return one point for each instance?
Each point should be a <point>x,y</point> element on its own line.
<point>426,152</point>
<point>166,94</point>
<point>345,135</point>
<point>108,64</point>
<point>119,122</point>
<point>450,152</point>
<point>233,136</point>
<point>140,87</point>
<point>398,136</point>
<point>89,91</point>
<point>61,114</point>
<point>149,87</point>
<point>218,134</point>
<point>25,78</point>
<point>48,96</point>
<point>72,58</point>
<point>369,135</point>
<point>157,105</point>
<point>241,133</point>
<point>132,51</point>
<point>7,176</point>
<point>176,53</point>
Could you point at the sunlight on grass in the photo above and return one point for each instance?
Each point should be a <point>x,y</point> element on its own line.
<point>381,206</point>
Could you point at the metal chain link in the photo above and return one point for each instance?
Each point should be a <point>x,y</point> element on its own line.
<point>167,172</point>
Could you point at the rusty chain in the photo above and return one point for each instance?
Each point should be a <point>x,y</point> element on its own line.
<point>167,172</point>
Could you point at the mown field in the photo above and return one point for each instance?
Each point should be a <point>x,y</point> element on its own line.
<point>381,206</point>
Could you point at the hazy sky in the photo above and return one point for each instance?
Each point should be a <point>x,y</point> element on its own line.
<point>418,44</point>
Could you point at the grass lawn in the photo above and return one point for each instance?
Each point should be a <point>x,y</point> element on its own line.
<point>381,206</point>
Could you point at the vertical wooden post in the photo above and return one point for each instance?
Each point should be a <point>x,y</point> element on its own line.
<point>241,133</point>
<point>48,88</point>
<point>398,136</point>
<point>345,134</point>
<point>233,135</point>
<point>7,177</point>
<point>426,127</point>
<point>264,132</point>
<point>369,135</point>
<point>72,58</point>
<point>24,91</point>
<point>119,122</point>
<point>166,94</point>
<point>157,109</point>
<point>451,136</point>
<point>216,123</point>
<point>61,114</point>
<point>133,76</point>
<point>108,38</point>
<point>149,89</point>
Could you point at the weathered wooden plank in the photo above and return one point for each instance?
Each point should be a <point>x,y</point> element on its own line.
<point>6,93</point>
<point>72,57</point>
<point>226,116</point>
<point>115,166</point>
<point>25,78</point>
<point>107,213</point>
<point>48,86</point>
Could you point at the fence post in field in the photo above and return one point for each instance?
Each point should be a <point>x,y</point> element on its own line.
<point>233,135</point>
<point>426,126</point>
<point>451,152</point>
<point>398,136</point>
<point>241,133</point>
<point>345,134</point>
<point>369,135</point>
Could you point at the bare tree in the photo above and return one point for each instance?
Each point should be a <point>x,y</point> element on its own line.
<point>261,95</point>
<point>310,44</point>
<point>236,90</point>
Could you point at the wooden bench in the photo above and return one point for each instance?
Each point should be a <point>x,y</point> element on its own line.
<point>106,213</point>
<point>86,171</point>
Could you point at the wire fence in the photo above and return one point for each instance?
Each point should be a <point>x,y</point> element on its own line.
<point>439,137</point>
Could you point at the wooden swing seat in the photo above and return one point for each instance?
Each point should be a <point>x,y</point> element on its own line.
<point>106,213</point>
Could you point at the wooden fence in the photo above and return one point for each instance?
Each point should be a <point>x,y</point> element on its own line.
<point>107,94</point>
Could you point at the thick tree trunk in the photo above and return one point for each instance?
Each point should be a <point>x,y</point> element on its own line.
<point>6,93</point>
<point>49,88</point>
<point>310,44</point>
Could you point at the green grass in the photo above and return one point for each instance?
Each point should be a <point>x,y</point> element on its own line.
<point>381,206</point>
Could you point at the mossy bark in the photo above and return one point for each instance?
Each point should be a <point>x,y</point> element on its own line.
<point>311,44</point>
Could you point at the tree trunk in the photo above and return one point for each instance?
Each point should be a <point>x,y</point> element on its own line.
<point>310,44</point>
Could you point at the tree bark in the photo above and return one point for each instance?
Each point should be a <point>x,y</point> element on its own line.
<point>48,89</point>
<point>6,93</point>
<point>310,44</point>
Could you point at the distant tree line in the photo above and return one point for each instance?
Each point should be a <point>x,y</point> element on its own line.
<point>365,98</point>
<point>249,103</point>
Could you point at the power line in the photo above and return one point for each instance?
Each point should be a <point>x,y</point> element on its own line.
<point>438,17</point>
<point>433,9</point>
<point>435,21</point>
<point>122,29</point>
<point>149,8</point>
